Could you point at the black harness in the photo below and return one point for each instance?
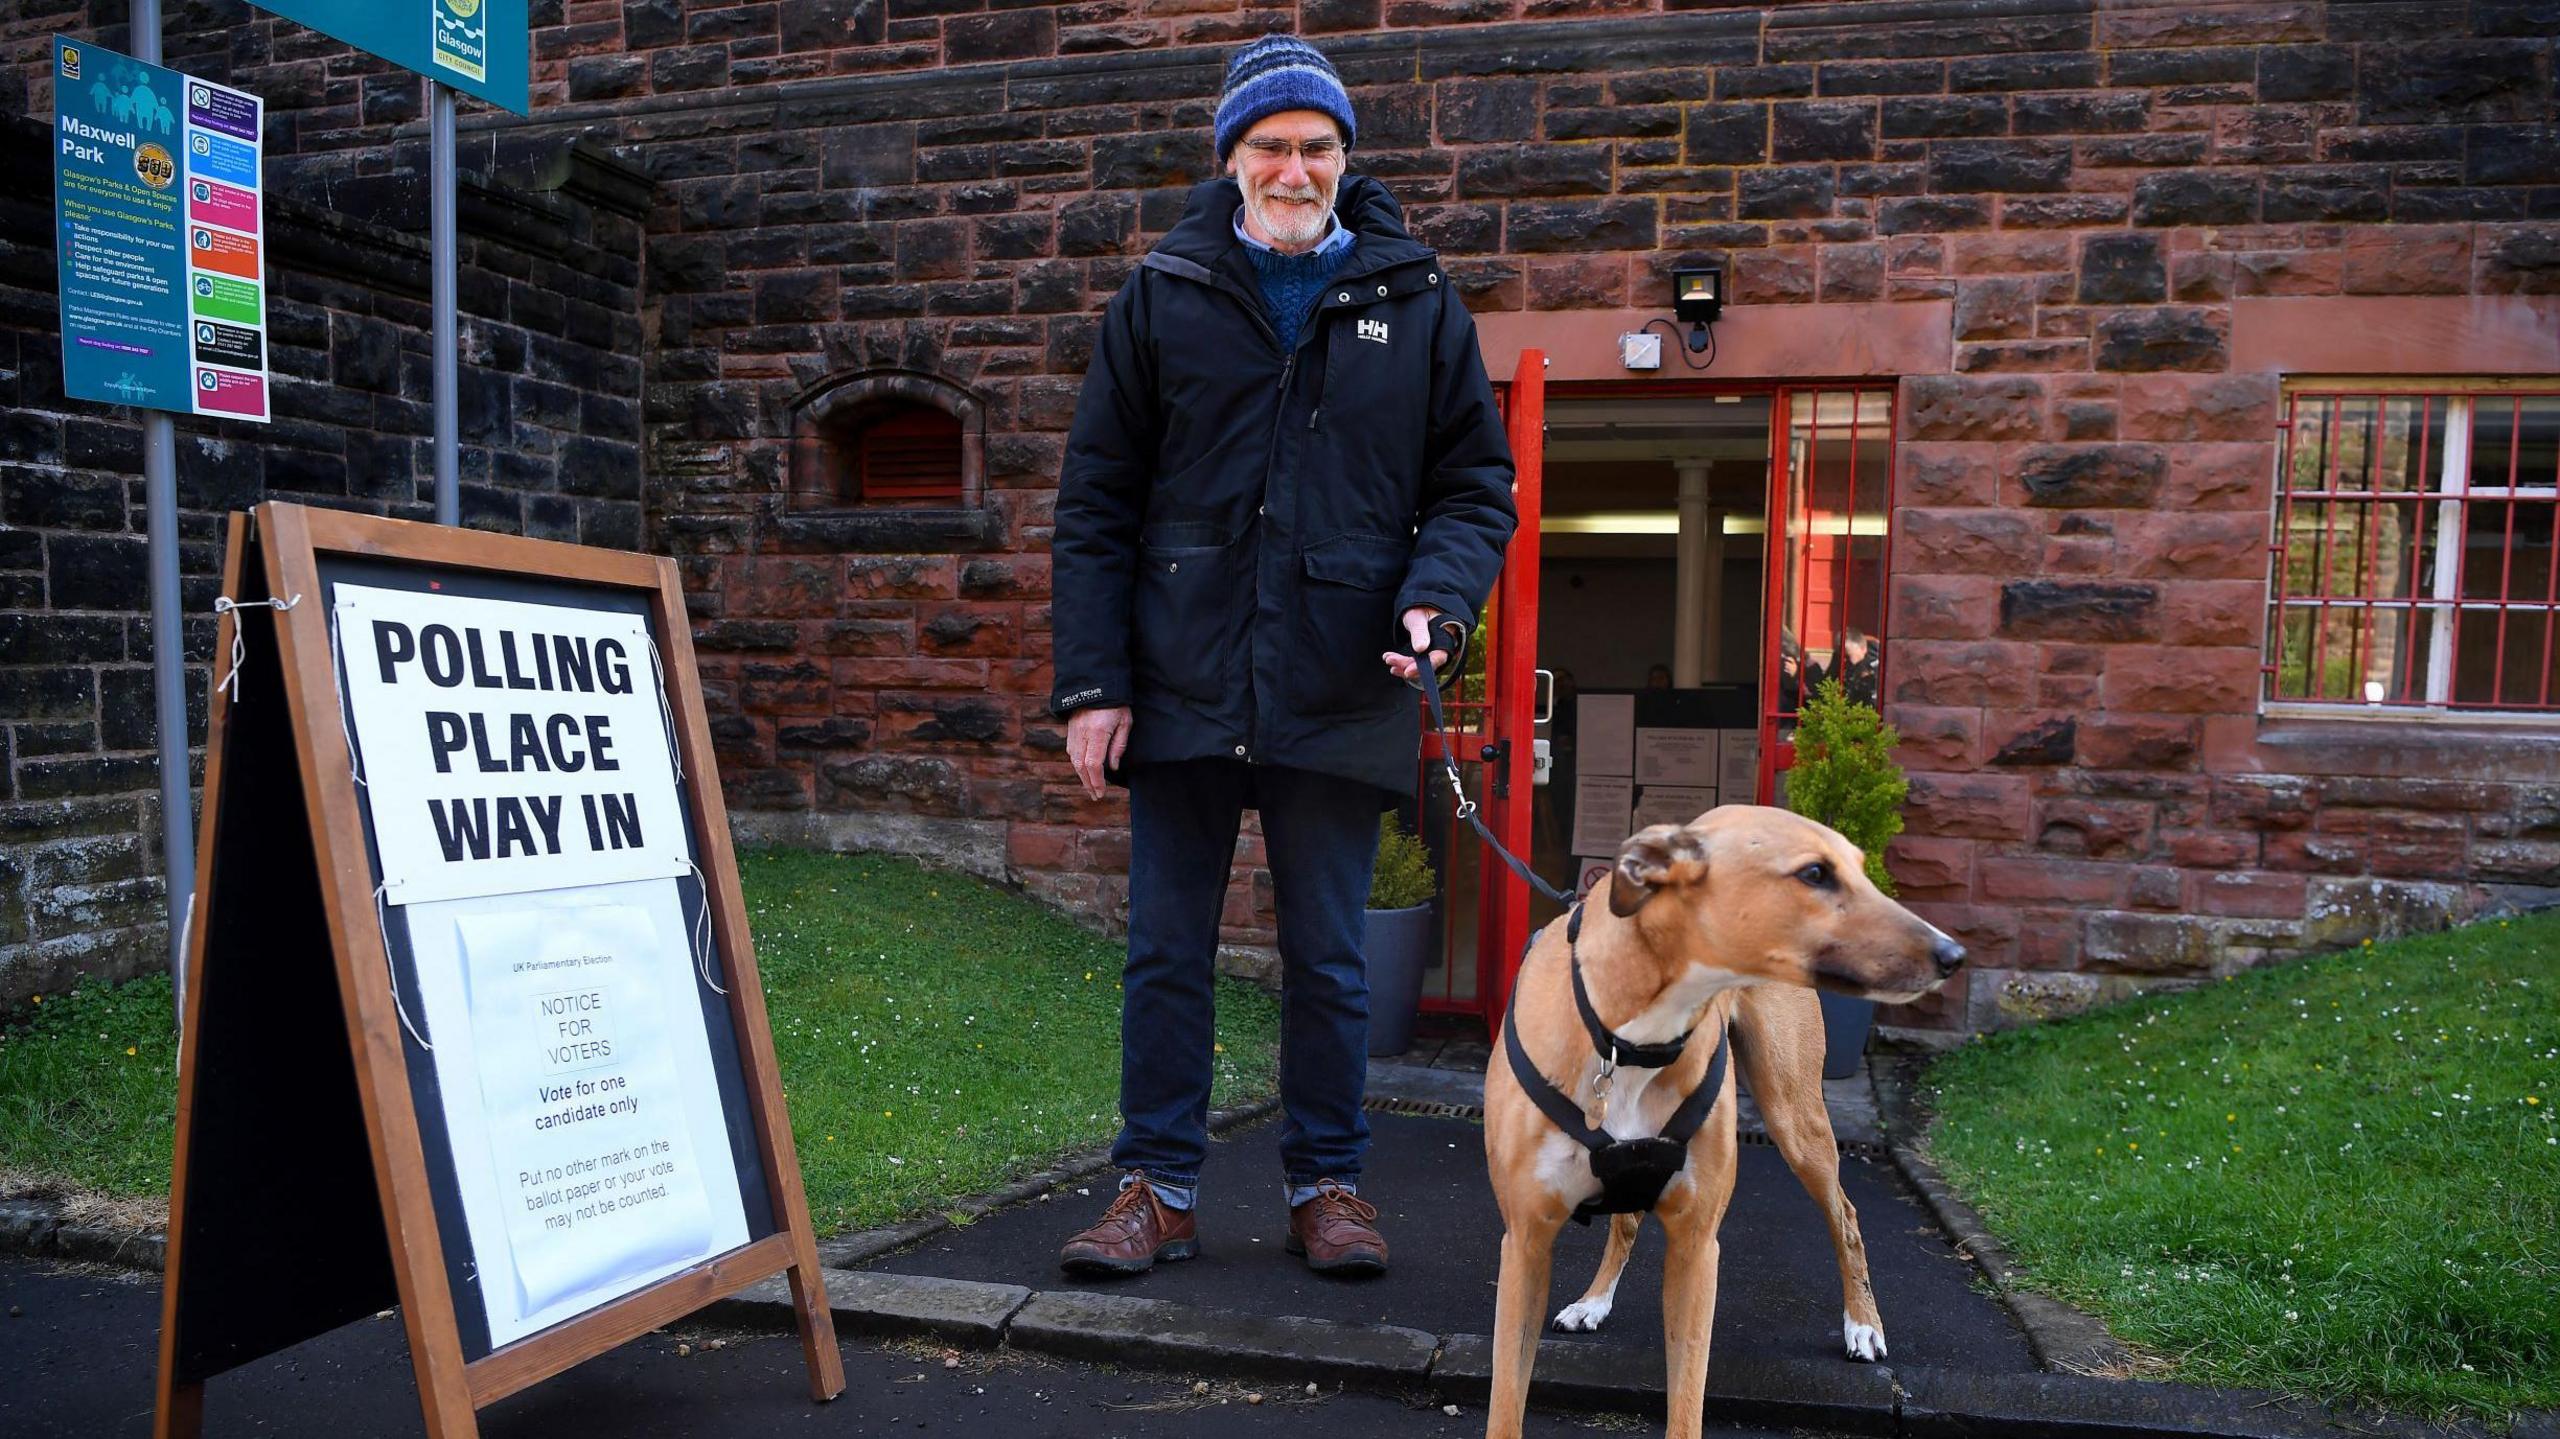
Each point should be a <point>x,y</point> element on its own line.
<point>1632,1172</point>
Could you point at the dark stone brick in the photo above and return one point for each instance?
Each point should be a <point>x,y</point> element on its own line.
<point>2092,476</point>
<point>1537,227</point>
<point>649,24</point>
<point>1535,170</point>
<point>1785,193</point>
<point>832,24</point>
<point>1933,214</point>
<point>1728,134</point>
<point>1822,130</point>
<point>2326,195</point>
<point>2000,166</point>
<point>605,77</point>
<point>1882,77</point>
<point>1146,162</point>
<point>2077,610</point>
<point>2062,212</point>
<point>2204,66</point>
<point>34,639</point>
<point>869,155</point>
<point>2122,269</point>
<point>101,444</point>
<point>1096,224</point>
<point>2023,72</point>
<point>1014,237</point>
<point>1475,111</point>
<point>2433,82</point>
<point>1904,179</point>
<point>2101,113</point>
<point>2306,72</point>
<point>698,67</point>
<point>1014,35</point>
<point>2513,155</point>
<point>1619,121</point>
<point>95,572</point>
<point>1320,16</point>
<point>49,693</point>
<point>2165,338</point>
<point>128,714</point>
<point>2195,197</point>
<point>1457,229</point>
<point>1945,116</point>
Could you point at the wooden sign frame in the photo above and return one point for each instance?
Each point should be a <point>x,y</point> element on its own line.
<point>300,1197</point>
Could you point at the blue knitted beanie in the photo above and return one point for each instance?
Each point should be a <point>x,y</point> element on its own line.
<point>1276,73</point>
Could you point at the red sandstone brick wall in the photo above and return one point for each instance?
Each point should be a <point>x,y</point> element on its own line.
<point>955,187</point>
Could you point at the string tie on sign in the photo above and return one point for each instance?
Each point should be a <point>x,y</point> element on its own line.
<point>346,723</point>
<point>383,919</point>
<point>675,751</point>
<point>701,935</point>
<point>225,604</point>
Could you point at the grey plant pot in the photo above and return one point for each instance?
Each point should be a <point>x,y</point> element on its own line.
<point>1845,1021</point>
<point>1398,951</point>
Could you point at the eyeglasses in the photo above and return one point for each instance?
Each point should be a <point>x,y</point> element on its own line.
<point>1313,152</point>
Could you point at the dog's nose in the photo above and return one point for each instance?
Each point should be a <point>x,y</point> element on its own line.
<point>1948,954</point>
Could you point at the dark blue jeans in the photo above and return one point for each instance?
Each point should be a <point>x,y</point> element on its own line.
<point>1321,836</point>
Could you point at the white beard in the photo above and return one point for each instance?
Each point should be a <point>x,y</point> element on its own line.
<point>1292,227</point>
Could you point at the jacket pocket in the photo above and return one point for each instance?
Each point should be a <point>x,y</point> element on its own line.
<point>1346,619</point>
<point>1194,599</point>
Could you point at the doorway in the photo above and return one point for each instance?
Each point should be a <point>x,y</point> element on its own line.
<point>1669,653</point>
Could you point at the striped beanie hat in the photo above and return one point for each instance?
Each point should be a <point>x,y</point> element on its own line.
<point>1276,73</point>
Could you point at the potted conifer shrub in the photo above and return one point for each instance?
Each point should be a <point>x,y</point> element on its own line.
<point>1401,893</point>
<point>1845,776</point>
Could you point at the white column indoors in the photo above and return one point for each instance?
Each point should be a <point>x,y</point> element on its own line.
<point>1699,583</point>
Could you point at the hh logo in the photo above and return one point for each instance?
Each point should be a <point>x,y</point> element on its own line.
<point>1374,330</point>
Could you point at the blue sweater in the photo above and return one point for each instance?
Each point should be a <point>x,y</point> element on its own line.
<point>1290,284</point>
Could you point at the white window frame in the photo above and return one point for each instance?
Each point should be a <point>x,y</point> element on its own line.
<point>2452,476</point>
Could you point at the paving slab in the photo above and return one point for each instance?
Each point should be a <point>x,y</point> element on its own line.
<point>1778,1295</point>
<point>956,1309</point>
<point>1126,1329</point>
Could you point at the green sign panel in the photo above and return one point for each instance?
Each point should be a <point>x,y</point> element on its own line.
<point>220,298</point>
<point>479,47</point>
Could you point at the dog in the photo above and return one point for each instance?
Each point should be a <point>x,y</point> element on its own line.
<point>1723,926</point>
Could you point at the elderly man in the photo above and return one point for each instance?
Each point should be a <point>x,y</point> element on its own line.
<point>1286,473</point>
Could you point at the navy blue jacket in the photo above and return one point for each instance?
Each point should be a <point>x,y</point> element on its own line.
<point>1238,528</point>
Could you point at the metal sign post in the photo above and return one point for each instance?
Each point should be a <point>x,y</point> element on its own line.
<point>440,263</point>
<point>168,659</point>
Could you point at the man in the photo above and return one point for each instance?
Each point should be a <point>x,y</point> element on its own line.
<point>1286,472</point>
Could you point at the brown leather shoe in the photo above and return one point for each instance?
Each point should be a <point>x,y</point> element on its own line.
<point>1336,1230</point>
<point>1136,1231</point>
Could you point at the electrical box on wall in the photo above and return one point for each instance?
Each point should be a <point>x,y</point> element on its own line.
<point>1640,351</point>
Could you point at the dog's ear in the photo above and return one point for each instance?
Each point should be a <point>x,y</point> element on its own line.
<point>1647,863</point>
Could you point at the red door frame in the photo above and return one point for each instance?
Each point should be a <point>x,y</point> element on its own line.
<point>1776,756</point>
<point>1505,718</point>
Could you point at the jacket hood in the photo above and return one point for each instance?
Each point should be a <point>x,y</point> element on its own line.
<point>1207,231</point>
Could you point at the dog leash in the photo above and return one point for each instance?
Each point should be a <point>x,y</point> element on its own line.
<point>1466,808</point>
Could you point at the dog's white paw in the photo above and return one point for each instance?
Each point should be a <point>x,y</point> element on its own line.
<point>1584,1315</point>
<point>1863,1341</point>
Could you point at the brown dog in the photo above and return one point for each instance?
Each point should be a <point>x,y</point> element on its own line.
<point>1734,918</point>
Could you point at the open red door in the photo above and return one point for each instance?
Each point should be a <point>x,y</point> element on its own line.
<point>1511,653</point>
<point>1484,909</point>
<point>1830,503</point>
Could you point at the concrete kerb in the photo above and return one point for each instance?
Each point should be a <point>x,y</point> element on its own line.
<point>36,1226</point>
<point>2061,1338</point>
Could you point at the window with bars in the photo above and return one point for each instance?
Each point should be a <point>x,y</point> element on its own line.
<point>2413,563</point>
<point>895,453</point>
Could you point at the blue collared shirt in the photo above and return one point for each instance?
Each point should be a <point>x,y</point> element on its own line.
<point>1335,238</point>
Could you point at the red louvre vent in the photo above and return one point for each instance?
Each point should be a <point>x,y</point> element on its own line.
<point>910,457</point>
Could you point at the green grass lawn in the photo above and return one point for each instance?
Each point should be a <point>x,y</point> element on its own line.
<point>2338,1177</point>
<point>937,1037</point>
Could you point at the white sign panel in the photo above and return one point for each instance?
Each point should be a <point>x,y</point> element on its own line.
<point>1676,756</point>
<point>1589,870</point>
<point>1672,804</point>
<point>1738,764</point>
<point>1600,806</point>
<point>590,1151</point>
<point>508,746</point>
<point>1605,734</point>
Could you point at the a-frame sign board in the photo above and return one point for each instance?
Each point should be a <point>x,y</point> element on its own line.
<point>472,1017</point>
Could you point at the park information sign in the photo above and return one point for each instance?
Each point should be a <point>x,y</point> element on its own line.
<point>470,963</point>
<point>160,232</point>
<point>479,47</point>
